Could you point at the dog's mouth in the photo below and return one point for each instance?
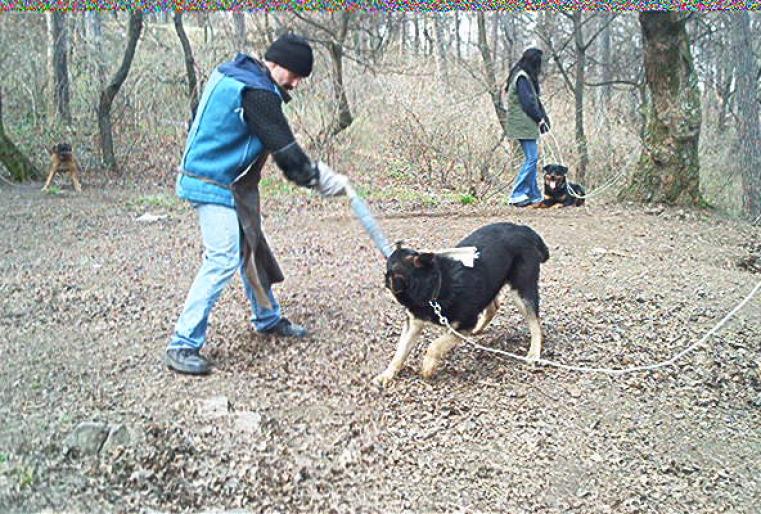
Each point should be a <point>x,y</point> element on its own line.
<point>555,182</point>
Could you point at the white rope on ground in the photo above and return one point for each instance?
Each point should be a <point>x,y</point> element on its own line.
<point>609,371</point>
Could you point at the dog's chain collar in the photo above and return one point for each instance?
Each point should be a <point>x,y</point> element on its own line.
<point>437,311</point>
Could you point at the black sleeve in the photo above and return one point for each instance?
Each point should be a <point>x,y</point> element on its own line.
<point>529,101</point>
<point>263,111</point>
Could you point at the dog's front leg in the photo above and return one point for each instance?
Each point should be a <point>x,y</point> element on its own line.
<point>410,334</point>
<point>74,170</point>
<point>436,352</point>
<point>51,174</point>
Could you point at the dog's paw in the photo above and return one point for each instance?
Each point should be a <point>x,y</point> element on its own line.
<point>385,378</point>
<point>430,366</point>
<point>532,357</point>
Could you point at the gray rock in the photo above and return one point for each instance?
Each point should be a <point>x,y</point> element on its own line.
<point>118,435</point>
<point>249,422</point>
<point>87,438</point>
<point>214,407</point>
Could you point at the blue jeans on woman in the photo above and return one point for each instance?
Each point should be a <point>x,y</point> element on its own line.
<point>526,190</point>
<point>223,255</point>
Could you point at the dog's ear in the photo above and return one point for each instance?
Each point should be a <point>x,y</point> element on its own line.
<point>547,168</point>
<point>423,260</point>
<point>562,170</point>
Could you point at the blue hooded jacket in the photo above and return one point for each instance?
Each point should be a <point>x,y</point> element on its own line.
<point>220,146</point>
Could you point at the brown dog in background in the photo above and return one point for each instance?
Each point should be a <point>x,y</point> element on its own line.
<point>62,160</point>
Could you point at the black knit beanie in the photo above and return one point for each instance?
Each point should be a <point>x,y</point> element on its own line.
<point>293,53</point>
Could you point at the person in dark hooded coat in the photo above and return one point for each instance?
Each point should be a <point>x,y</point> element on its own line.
<point>239,122</point>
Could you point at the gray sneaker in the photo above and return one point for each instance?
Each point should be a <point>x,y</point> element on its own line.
<point>185,360</point>
<point>285,328</point>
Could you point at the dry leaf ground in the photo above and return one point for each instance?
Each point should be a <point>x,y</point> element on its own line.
<point>89,295</point>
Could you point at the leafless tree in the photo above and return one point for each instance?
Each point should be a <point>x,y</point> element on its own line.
<point>108,94</point>
<point>333,30</point>
<point>747,157</point>
<point>239,24</point>
<point>58,69</point>
<point>581,45</point>
<point>190,65</point>
<point>442,64</point>
<point>669,166</point>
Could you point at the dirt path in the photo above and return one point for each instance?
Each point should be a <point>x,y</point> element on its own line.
<point>89,296</point>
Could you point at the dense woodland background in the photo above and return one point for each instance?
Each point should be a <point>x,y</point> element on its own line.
<point>653,107</point>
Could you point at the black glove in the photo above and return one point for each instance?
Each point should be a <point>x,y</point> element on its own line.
<point>544,126</point>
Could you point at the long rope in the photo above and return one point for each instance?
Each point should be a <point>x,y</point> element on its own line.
<point>609,371</point>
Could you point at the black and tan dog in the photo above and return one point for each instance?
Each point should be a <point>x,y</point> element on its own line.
<point>62,161</point>
<point>508,255</point>
<point>556,188</point>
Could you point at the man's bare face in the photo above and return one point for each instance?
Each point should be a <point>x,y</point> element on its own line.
<point>285,78</point>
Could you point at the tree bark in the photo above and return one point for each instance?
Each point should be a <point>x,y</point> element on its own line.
<point>416,25</point>
<point>343,117</point>
<point>19,166</point>
<point>58,44</point>
<point>578,95</point>
<point>457,38</point>
<point>239,23</point>
<point>109,93</point>
<point>747,157</point>
<point>606,64</point>
<point>669,165</point>
<point>495,91</point>
<point>190,64</point>
<point>441,55</point>
<point>96,45</point>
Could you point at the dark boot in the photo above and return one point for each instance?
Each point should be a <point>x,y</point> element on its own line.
<point>185,360</point>
<point>284,328</point>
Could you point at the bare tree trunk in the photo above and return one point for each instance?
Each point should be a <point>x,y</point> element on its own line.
<point>58,44</point>
<point>190,64</point>
<point>19,166</point>
<point>747,157</point>
<point>669,165</point>
<point>402,33</point>
<point>109,93</point>
<point>416,24</point>
<point>457,38</point>
<point>441,55</point>
<point>495,92</point>
<point>578,95</point>
<point>343,117</point>
<point>606,64</point>
<point>509,34</point>
<point>494,15</point>
<point>427,35</point>
<point>96,45</point>
<point>239,24</point>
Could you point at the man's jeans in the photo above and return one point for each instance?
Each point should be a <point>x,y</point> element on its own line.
<point>223,243</point>
<point>526,188</point>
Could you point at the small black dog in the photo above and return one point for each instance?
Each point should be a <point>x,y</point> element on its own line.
<point>508,254</point>
<point>556,188</point>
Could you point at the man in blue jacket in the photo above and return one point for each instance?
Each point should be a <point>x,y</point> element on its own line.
<point>238,123</point>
